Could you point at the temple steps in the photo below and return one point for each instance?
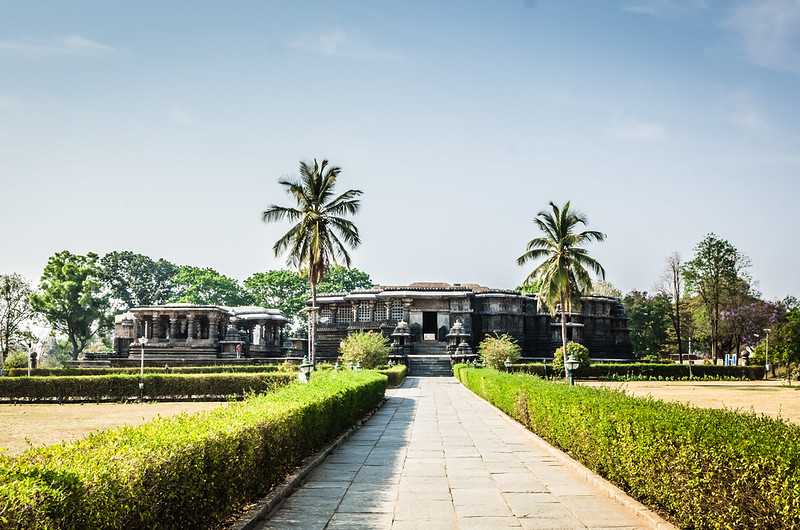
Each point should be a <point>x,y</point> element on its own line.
<point>429,365</point>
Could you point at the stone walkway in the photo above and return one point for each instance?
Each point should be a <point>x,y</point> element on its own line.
<point>437,457</point>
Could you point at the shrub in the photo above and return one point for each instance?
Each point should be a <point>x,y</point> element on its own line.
<point>256,368</point>
<point>186,471</point>
<point>368,348</point>
<point>647,371</point>
<point>704,468</point>
<point>16,360</point>
<point>396,374</point>
<point>494,350</point>
<point>125,387</point>
<point>580,352</point>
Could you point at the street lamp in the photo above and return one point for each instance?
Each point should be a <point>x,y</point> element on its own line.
<point>766,363</point>
<point>571,365</point>
<point>304,375</point>
<point>142,343</point>
<point>507,364</point>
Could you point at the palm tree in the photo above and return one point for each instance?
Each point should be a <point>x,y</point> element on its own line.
<point>320,234</point>
<point>562,275</point>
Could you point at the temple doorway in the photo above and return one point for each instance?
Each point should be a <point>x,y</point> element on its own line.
<point>429,324</point>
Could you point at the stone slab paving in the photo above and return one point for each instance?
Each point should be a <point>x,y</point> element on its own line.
<point>437,457</point>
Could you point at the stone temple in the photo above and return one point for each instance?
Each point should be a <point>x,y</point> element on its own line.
<point>189,333</point>
<point>440,318</point>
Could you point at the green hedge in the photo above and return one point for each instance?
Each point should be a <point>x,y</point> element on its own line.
<point>41,372</point>
<point>396,374</point>
<point>187,471</point>
<point>631,371</point>
<point>124,387</point>
<point>704,468</point>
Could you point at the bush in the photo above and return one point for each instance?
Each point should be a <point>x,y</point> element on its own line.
<point>186,471</point>
<point>16,360</point>
<point>580,352</point>
<point>125,387</point>
<point>396,374</point>
<point>647,371</point>
<point>368,348</point>
<point>495,350</point>
<point>257,368</point>
<point>704,468</point>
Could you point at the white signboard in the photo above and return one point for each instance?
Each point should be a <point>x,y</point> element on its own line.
<point>429,336</point>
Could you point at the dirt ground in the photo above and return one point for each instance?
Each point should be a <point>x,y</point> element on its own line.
<point>24,426</point>
<point>773,398</point>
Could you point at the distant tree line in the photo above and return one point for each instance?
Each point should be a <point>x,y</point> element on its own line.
<point>78,295</point>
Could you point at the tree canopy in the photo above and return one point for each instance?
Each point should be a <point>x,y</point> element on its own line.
<point>15,311</point>
<point>137,280</point>
<point>205,286</point>
<point>70,298</point>
<point>282,289</point>
<point>649,319</point>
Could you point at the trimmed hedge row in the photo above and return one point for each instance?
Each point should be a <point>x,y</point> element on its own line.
<point>187,471</point>
<point>705,468</point>
<point>125,387</point>
<point>42,372</point>
<point>396,374</point>
<point>649,371</point>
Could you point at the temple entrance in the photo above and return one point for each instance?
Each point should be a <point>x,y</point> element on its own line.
<point>429,324</point>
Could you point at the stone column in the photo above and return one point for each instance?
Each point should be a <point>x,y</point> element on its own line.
<point>406,310</point>
<point>334,313</point>
<point>156,327</point>
<point>189,328</point>
<point>173,327</point>
<point>354,309</point>
<point>213,332</point>
<point>372,306</point>
<point>388,304</point>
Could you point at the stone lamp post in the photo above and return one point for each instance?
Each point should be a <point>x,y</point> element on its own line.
<point>571,365</point>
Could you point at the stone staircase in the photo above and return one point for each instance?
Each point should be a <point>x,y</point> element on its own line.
<point>429,359</point>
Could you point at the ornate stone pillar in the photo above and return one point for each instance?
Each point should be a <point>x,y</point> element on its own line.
<point>372,306</point>
<point>354,309</point>
<point>189,327</point>
<point>173,327</point>
<point>388,304</point>
<point>406,310</point>
<point>213,331</point>
<point>334,313</point>
<point>156,327</point>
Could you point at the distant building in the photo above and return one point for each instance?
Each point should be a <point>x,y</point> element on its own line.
<point>199,332</point>
<point>432,310</point>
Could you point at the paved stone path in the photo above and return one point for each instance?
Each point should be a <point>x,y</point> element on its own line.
<point>437,457</point>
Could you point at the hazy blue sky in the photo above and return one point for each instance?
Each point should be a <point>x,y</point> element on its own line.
<point>162,127</point>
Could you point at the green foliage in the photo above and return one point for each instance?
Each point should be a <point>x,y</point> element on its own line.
<point>495,349</point>
<point>650,319</point>
<point>580,352</point>
<point>238,369</point>
<point>343,279</point>
<point>563,273</point>
<point>704,468</point>
<point>16,360</point>
<point>369,348</point>
<point>648,371</point>
<point>282,289</point>
<point>784,341</point>
<point>122,387</point>
<point>605,288</point>
<point>15,312</point>
<point>187,471</point>
<point>137,280</point>
<point>396,374</point>
<point>70,298</point>
<point>205,286</point>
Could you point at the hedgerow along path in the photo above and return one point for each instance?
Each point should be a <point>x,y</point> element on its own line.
<point>436,456</point>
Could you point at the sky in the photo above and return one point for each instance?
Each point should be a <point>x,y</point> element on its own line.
<point>163,128</point>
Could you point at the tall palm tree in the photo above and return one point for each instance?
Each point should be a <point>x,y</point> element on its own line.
<point>320,234</point>
<point>562,275</point>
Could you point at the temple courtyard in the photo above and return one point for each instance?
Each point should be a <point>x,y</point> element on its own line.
<point>438,457</point>
<point>773,398</point>
<point>25,426</point>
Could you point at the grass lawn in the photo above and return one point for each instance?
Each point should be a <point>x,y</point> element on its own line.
<point>23,426</point>
<point>769,397</point>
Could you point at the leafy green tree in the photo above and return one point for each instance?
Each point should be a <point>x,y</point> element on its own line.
<point>580,352</point>
<point>15,311</point>
<point>370,349</point>
<point>713,274</point>
<point>70,298</point>
<point>320,234</point>
<point>604,288</point>
<point>282,289</point>
<point>562,275</point>
<point>205,286</point>
<point>649,318</point>
<point>137,280</point>
<point>344,279</point>
<point>496,349</point>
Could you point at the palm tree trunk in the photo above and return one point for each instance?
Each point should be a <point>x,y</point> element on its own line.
<point>564,335</point>
<point>312,325</point>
